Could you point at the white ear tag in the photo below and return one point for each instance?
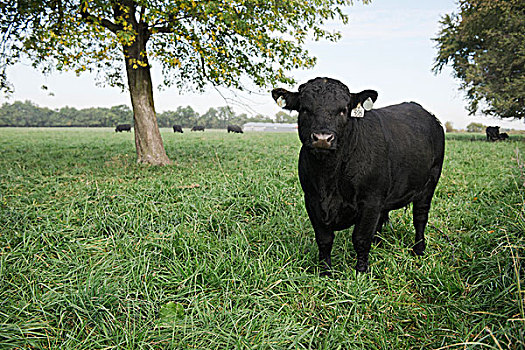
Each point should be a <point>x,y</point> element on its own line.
<point>281,102</point>
<point>358,112</point>
<point>368,104</point>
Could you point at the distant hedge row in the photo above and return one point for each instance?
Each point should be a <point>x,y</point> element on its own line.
<point>471,136</point>
<point>26,113</point>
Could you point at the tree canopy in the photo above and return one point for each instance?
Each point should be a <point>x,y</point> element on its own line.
<point>196,42</point>
<point>484,43</point>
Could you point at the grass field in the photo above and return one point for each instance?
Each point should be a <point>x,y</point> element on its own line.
<point>216,250</point>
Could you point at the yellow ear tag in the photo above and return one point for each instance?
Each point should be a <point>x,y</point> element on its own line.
<point>358,111</point>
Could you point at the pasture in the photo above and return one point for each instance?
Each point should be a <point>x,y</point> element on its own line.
<point>216,251</point>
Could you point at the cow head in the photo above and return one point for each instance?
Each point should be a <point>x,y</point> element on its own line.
<point>325,106</point>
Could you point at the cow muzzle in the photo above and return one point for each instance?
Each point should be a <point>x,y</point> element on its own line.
<point>323,140</point>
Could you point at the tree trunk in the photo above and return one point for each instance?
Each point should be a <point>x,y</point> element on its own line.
<point>148,142</point>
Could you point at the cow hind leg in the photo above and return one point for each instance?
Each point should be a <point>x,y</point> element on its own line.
<point>421,207</point>
<point>420,219</point>
<point>420,211</point>
<point>382,220</point>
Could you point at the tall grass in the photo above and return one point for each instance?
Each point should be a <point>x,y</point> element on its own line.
<point>216,250</point>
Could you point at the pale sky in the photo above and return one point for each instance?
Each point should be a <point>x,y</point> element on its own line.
<point>386,46</point>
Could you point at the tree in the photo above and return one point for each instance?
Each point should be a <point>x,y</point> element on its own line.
<point>195,42</point>
<point>186,116</point>
<point>449,127</point>
<point>283,117</point>
<point>475,127</point>
<point>120,114</point>
<point>225,116</point>
<point>485,45</point>
<point>212,114</point>
<point>18,113</point>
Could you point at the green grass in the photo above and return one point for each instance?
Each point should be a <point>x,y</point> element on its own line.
<point>216,251</point>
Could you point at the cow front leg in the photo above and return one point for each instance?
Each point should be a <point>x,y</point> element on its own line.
<point>363,234</point>
<point>325,240</point>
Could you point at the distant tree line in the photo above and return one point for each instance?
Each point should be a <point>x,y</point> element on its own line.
<point>26,113</point>
<point>478,128</point>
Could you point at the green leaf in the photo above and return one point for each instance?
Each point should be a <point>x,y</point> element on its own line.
<point>171,312</point>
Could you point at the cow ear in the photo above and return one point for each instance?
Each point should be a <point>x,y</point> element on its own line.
<point>365,98</point>
<point>286,99</point>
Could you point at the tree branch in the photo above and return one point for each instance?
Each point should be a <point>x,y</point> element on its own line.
<point>161,30</point>
<point>203,65</point>
<point>114,28</point>
<point>142,12</point>
<point>165,26</point>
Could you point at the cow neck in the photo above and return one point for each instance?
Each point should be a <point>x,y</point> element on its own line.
<point>351,138</point>
<point>325,169</point>
<point>323,178</point>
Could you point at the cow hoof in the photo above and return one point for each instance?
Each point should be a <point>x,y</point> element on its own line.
<point>325,273</point>
<point>377,241</point>
<point>361,266</point>
<point>416,251</point>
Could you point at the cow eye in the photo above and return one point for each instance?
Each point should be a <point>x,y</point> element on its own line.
<point>343,111</point>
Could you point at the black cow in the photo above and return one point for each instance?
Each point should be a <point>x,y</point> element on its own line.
<point>123,127</point>
<point>357,164</point>
<point>503,136</point>
<point>197,128</point>
<point>234,128</point>
<point>492,133</point>
<point>177,128</point>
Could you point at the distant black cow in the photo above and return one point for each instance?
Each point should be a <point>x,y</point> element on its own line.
<point>177,128</point>
<point>357,164</point>
<point>197,128</point>
<point>503,136</point>
<point>123,127</point>
<point>492,133</point>
<point>234,128</point>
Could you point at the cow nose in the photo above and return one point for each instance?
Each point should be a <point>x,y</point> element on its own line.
<point>321,140</point>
